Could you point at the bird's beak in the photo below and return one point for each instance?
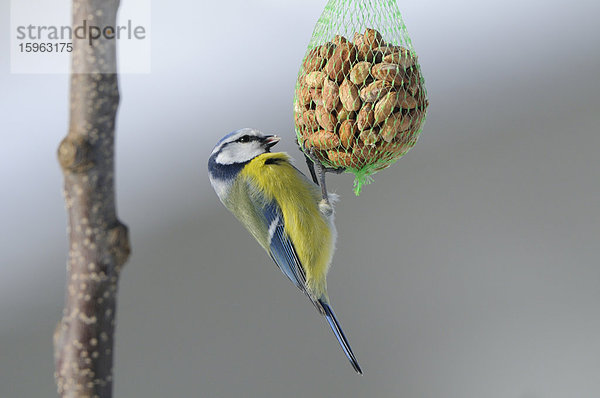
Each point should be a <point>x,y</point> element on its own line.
<point>271,140</point>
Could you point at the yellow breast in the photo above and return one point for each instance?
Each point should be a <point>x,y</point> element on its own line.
<point>298,198</point>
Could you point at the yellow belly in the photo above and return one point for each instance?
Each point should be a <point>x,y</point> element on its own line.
<point>298,198</point>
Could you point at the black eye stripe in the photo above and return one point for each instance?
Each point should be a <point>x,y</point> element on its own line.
<point>248,138</point>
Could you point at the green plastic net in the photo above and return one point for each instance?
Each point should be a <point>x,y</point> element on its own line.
<point>360,100</point>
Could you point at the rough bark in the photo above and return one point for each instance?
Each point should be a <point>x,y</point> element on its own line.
<point>98,241</point>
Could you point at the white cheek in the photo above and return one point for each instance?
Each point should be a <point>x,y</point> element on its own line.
<point>225,157</point>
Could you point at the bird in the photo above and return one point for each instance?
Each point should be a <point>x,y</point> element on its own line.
<point>283,210</point>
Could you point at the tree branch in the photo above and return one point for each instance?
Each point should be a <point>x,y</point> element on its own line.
<point>98,241</point>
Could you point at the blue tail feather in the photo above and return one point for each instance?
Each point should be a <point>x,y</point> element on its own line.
<point>339,334</point>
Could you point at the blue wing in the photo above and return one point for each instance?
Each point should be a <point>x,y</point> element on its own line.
<point>281,249</point>
<point>284,254</point>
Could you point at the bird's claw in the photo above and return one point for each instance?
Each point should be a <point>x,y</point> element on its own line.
<point>333,170</point>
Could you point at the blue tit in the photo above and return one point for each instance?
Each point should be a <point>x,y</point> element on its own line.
<point>284,212</point>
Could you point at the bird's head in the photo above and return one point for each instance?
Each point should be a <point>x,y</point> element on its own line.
<point>233,152</point>
<point>241,146</point>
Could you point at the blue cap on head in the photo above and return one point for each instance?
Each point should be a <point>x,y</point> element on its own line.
<point>226,136</point>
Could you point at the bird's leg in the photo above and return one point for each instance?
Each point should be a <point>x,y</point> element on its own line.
<point>313,162</point>
<point>322,172</point>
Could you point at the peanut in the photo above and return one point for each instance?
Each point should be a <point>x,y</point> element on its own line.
<point>360,72</point>
<point>331,95</point>
<point>345,159</point>
<point>325,119</point>
<point>323,140</point>
<point>347,131</point>
<point>315,79</point>
<point>365,116</point>
<point>393,125</point>
<point>385,106</point>
<point>375,90</point>
<point>349,96</point>
<point>388,72</point>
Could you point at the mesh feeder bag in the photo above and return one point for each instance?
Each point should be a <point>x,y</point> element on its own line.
<point>360,100</point>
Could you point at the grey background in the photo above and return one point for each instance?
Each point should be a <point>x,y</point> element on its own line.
<point>468,269</point>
